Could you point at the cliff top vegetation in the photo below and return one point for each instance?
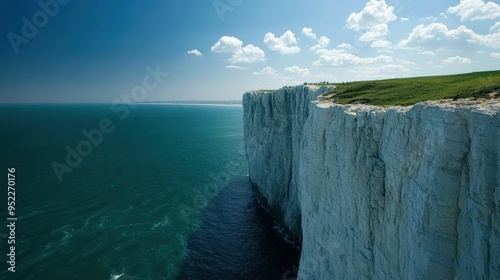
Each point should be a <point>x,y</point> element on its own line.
<point>408,91</point>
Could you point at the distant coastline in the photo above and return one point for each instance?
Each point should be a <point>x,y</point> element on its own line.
<point>196,102</point>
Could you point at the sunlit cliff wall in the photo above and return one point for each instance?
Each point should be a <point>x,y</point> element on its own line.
<point>380,193</point>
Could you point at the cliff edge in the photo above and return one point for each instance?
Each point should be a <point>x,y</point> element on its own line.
<point>380,193</point>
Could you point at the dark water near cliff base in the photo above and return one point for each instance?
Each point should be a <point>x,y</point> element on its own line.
<point>237,240</point>
<point>162,196</point>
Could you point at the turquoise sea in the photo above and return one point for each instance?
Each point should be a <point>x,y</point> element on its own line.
<point>163,194</point>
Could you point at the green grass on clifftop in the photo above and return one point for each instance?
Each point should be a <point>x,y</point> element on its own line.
<point>408,91</point>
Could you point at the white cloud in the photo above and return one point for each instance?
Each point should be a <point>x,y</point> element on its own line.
<point>268,71</point>
<point>323,77</point>
<point>373,19</point>
<point>457,59</point>
<point>287,81</point>
<point>431,18</point>
<point>336,57</point>
<point>375,33</point>
<point>393,68</point>
<point>475,10</point>
<point>495,27</point>
<point>308,32</point>
<point>248,54</point>
<point>322,43</point>
<point>423,33</point>
<point>381,44</point>
<point>427,53</point>
<point>346,46</point>
<point>283,43</point>
<point>234,67</point>
<point>195,52</point>
<point>377,72</point>
<point>240,54</point>
<point>438,35</point>
<point>405,62</point>
<point>227,44</point>
<point>429,62</point>
<point>297,71</point>
<point>404,19</point>
<point>495,55</point>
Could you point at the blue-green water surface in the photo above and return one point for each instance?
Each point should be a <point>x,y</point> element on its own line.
<point>164,195</point>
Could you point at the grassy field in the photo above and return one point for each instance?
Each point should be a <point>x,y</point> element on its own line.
<point>408,91</point>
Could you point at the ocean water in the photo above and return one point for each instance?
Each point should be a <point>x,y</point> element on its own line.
<point>164,195</point>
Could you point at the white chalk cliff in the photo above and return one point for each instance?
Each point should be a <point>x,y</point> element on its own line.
<point>380,193</point>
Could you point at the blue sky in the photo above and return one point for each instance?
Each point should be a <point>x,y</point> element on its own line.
<point>97,51</point>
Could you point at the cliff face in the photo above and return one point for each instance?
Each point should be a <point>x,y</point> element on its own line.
<point>380,193</point>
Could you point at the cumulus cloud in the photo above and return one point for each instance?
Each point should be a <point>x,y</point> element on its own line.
<point>346,46</point>
<point>457,59</point>
<point>234,67</point>
<point>495,27</point>
<point>445,16</point>
<point>495,55</point>
<point>227,44</point>
<point>404,19</point>
<point>377,72</point>
<point>384,51</point>
<point>427,53</point>
<point>297,71</point>
<point>397,68</point>
<point>375,33</point>
<point>248,54</point>
<point>381,44</point>
<point>405,62</point>
<point>337,57</point>
<point>240,54</point>
<point>373,19</point>
<point>283,44</point>
<point>425,19</point>
<point>308,32</point>
<point>195,52</point>
<point>268,71</point>
<point>438,35</point>
<point>323,42</point>
<point>475,10</point>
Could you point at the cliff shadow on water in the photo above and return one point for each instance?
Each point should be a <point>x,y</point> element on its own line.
<point>273,211</point>
<point>237,239</point>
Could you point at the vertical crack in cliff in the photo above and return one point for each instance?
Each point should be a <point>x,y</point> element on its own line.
<point>464,188</point>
